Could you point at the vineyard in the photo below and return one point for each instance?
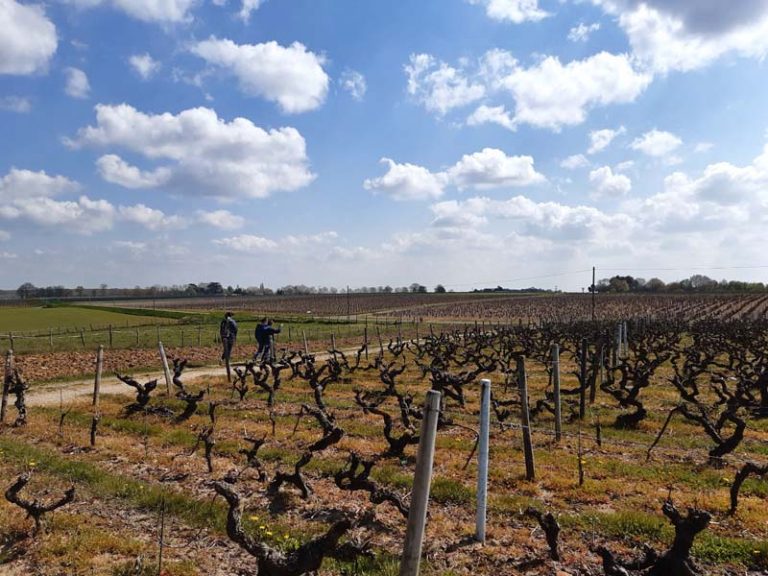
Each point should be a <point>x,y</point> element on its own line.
<point>633,444</point>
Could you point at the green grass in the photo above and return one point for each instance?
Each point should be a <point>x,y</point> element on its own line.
<point>63,318</point>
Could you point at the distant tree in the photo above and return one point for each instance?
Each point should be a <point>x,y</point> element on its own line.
<point>26,290</point>
<point>439,289</point>
<point>617,284</point>
<point>655,285</point>
<point>214,288</point>
<point>80,291</point>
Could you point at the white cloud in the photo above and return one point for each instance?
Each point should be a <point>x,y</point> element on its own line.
<point>680,35</point>
<point>222,219</point>
<point>574,162</point>
<point>291,76</point>
<point>549,94</point>
<point>489,168</point>
<point>438,86</point>
<point>77,85</point>
<point>21,184</point>
<point>601,139</point>
<point>354,83</point>
<point>656,143</point>
<point>703,147</point>
<point>15,104</point>
<point>163,11</point>
<point>252,244</point>
<point>149,218</point>
<point>247,7</point>
<point>515,11</point>
<point>203,154</point>
<point>8,255</point>
<point>491,115</point>
<point>28,40</point>
<point>552,95</point>
<point>606,184</point>
<point>407,182</point>
<point>144,65</point>
<point>116,170</point>
<point>83,216</point>
<point>582,32</point>
<point>492,168</point>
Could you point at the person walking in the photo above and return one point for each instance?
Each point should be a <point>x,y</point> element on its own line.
<point>228,333</point>
<point>264,333</point>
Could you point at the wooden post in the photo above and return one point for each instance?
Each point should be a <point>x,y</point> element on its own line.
<point>97,381</point>
<point>50,338</point>
<point>6,383</point>
<point>10,337</point>
<point>166,370</point>
<point>110,335</point>
<point>482,459</point>
<point>82,337</point>
<point>365,338</point>
<point>598,375</point>
<point>581,458</point>
<point>522,382</point>
<point>306,347</point>
<point>417,515</point>
<point>556,383</point>
<point>137,337</point>
<point>583,375</point>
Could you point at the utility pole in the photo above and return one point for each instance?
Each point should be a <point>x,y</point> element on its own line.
<point>594,289</point>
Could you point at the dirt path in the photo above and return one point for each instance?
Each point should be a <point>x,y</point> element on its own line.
<point>66,392</point>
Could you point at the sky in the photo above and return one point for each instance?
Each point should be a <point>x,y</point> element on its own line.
<point>469,143</point>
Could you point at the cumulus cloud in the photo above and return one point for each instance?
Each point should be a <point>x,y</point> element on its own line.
<point>77,85</point>
<point>116,170</point>
<point>606,184</point>
<point>582,32</point>
<point>28,40</point>
<point>574,162</point>
<point>162,11</point>
<point>515,11</point>
<point>656,143</point>
<point>150,218</point>
<point>491,115</point>
<point>489,168</point>
<point>492,168</point>
<point>252,244</point>
<point>353,82</point>
<point>83,215</point>
<point>15,104</point>
<point>246,8</point>
<point>202,153</point>
<point>144,65</point>
<point>438,86</point>
<point>20,184</point>
<point>549,94</point>
<point>407,182</point>
<point>680,35</point>
<point>601,139</point>
<point>222,219</point>
<point>291,76</point>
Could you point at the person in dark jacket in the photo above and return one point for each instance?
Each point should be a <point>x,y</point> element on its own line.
<point>264,333</point>
<point>228,333</point>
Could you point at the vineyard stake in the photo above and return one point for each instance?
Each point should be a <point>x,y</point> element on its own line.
<point>306,348</point>
<point>599,374</point>
<point>522,382</point>
<point>10,337</point>
<point>110,335</point>
<point>6,383</point>
<point>50,338</point>
<point>82,337</point>
<point>583,383</point>
<point>199,335</point>
<point>166,370</point>
<point>482,459</point>
<point>97,381</point>
<point>625,339</point>
<point>417,515</point>
<point>556,383</point>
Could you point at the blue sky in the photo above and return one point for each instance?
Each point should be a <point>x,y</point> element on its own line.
<point>334,142</point>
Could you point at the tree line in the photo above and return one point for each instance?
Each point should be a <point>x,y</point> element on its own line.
<point>696,283</point>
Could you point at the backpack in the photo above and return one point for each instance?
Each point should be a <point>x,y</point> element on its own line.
<point>225,329</point>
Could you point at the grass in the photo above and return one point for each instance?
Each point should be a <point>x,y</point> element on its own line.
<point>63,318</point>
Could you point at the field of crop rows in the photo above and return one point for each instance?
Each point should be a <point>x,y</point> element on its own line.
<point>310,458</point>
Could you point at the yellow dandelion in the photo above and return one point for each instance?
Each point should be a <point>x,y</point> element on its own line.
<point>262,527</point>
<point>286,536</point>
<point>254,518</point>
<point>268,533</point>
<point>32,463</point>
